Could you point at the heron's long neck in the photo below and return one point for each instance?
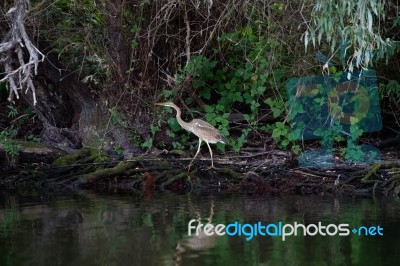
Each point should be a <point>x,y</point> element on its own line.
<point>180,121</point>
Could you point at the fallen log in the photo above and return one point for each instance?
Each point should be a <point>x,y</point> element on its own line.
<point>29,153</point>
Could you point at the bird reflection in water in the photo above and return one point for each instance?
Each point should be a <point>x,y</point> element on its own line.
<point>192,246</point>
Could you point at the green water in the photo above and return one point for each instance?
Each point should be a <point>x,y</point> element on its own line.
<point>129,229</point>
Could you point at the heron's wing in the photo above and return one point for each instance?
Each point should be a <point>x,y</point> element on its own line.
<point>207,132</point>
<point>203,125</point>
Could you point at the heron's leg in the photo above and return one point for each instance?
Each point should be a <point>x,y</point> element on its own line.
<point>197,152</point>
<point>211,153</point>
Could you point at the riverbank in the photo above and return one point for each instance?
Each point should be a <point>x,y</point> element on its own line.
<point>251,171</point>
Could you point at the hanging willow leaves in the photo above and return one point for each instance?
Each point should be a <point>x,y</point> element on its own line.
<point>352,27</point>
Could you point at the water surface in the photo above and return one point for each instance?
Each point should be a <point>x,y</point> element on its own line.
<point>131,229</point>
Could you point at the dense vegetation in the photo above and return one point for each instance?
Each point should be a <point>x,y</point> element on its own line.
<point>106,63</point>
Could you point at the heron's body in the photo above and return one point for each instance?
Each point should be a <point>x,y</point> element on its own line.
<point>207,133</point>
<point>203,130</point>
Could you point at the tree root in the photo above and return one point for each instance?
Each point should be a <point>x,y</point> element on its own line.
<point>92,169</point>
<point>99,174</point>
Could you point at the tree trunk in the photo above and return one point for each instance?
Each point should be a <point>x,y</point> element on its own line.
<point>72,114</point>
<point>118,48</point>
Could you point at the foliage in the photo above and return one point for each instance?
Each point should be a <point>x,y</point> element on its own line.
<point>77,33</point>
<point>236,56</point>
<point>33,138</point>
<point>242,82</point>
<point>281,133</point>
<point>149,142</point>
<point>117,118</point>
<point>9,146</point>
<point>118,149</point>
<point>19,120</point>
<point>12,111</point>
<point>353,27</point>
<point>389,93</point>
<point>390,90</point>
<point>331,109</point>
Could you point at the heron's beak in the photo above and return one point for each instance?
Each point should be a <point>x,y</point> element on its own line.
<point>162,104</point>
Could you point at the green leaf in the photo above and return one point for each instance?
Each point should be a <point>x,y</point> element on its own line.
<point>210,117</point>
<point>220,107</point>
<point>148,143</point>
<point>277,112</point>
<point>285,143</point>
<point>276,133</point>
<point>205,93</point>
<point>296,149</point>
<point>354,120</point>
<point>154,129</point>
<point>173,124</point>
<point>209,108</point>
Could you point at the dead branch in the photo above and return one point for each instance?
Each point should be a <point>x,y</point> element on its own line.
<point>18,68</point>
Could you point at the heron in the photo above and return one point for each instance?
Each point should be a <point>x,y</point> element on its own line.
<point>203,130</point>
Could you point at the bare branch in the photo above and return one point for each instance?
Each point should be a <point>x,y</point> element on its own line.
<point>13,48</point>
